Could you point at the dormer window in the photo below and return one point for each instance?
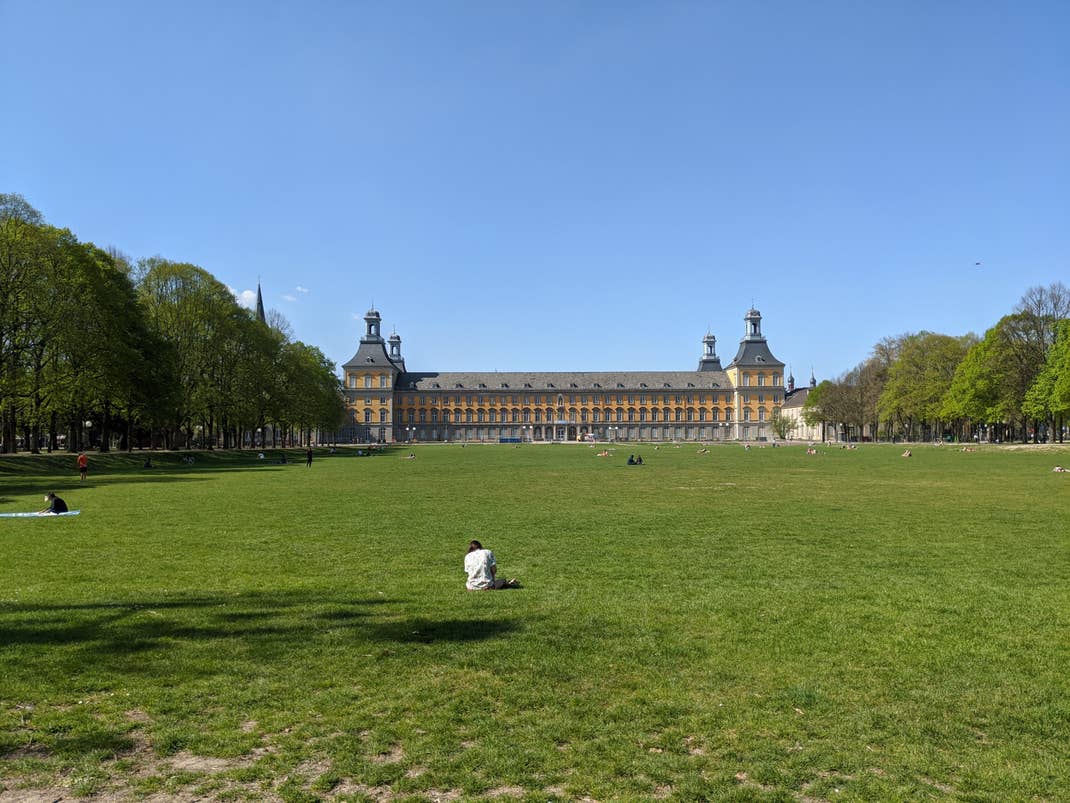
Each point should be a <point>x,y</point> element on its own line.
<point>527,384</point>
<point>549,384</point>
<point>458,385</point>
<point>642,384</point>
<point>504,385</point>
<point>597,385</point>
<point>573,385</point>
<point>620,384</point>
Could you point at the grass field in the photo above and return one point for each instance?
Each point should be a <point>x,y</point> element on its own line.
<point>760,625</point>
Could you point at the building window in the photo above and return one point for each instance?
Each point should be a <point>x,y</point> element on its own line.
<point>776,379</point>
<point>746,414</point>
<point>468,416</point>
<point>367,381</point>
<point>702,414</point>
<point>728,414</point>
<point>761,413</point>
<point>714,414</point>
<point>761,380</point>
<point>746,380</point>
<point>382,416</point>
<point>382,380</point>
<point>412,416</point>
<point>367,416</point>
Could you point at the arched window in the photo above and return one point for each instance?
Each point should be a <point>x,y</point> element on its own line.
<point>367,416</point>
<point>382,416</point>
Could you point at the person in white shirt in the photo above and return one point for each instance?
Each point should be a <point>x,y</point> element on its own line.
<point>482,570</point>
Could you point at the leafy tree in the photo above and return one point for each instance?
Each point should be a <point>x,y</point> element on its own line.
<point>782,426</point>
<point>919,378</point>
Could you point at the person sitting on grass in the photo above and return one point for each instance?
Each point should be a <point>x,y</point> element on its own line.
<point>631,460</point>
<point>907,453</point>
<point>482,570</point>
<point>55,505</point>
<point>1060,469</point>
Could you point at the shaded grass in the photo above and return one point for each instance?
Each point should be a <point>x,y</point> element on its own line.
<point>747,625</point>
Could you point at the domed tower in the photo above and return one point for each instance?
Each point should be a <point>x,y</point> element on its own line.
<point>395,351</point>
<point>369,378</point>
<point>757,377</point>
<point>709,361</point>
<point>372,321</point>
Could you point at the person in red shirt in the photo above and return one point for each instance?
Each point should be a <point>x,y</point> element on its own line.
<point>83,465</point>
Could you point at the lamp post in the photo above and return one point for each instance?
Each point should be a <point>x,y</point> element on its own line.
<point>89,433</point>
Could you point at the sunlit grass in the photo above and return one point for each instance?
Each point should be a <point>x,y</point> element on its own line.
<point>737,625</point>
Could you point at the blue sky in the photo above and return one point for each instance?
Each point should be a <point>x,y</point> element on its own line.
<point>560,185</point>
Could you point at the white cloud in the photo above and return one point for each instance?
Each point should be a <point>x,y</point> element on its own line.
<point>247,298</point>
<point>289,297</point>
<point>301,289</point>
<point>357,316</point>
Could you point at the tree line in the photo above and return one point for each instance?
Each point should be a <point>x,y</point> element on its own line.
<point>1012,383</point>
<point>98,350</point>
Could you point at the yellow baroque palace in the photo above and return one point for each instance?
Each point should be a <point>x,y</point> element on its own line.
<point>388,403</point>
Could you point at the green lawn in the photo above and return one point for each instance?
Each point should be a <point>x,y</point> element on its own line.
<point>760,625</point>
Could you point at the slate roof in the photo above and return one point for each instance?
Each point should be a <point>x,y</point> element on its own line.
<point>797,398</point>
<point>755,354</point>
<point>563,381</point>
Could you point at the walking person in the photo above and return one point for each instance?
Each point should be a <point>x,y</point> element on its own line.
<point>83,465</point>
<point>308,457</point>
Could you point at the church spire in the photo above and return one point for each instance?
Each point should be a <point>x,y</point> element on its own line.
<point>260,316</point>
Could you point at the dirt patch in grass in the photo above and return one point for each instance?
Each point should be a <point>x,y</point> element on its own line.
<point>32,751</point>
<point>393,756</point>
<point>506,791</point>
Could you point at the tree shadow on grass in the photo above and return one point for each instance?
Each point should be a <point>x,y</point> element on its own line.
<point>429,631</point>
<point>262,628</point>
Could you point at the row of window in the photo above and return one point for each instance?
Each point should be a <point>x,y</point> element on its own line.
<point>487,401</point>
<point>759,380</point>
<point>595,417</point>
<point>368,381</point>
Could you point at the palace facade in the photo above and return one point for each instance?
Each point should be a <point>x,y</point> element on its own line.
<point>388,403</point>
